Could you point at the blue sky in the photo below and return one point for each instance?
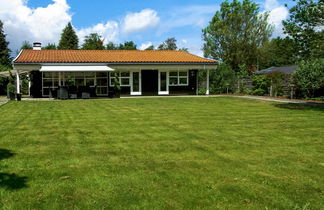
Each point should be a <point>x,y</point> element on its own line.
<point>142,21</point>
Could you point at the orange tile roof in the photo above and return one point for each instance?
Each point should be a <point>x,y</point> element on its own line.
<point>109,56</point>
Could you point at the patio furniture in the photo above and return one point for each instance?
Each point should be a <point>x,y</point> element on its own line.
<point>62,93</point>
<point>73,92</point>
<point>93,91</point>
<point>84,92</point>
<point>53,93</point>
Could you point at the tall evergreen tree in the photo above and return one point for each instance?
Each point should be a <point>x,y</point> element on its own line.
<point>5,60</point>
<point>69,40</point>
<point>93,42</point>
<point>169,44</point>
<point>236,32</point>
<point>305,26</point>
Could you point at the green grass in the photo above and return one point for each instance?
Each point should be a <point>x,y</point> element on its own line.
<point>161,153</point>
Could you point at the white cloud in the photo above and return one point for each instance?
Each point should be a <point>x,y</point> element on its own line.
<point>271,4</point>
<point>136,22</point>
<point>145,45</point>
<point>43,24</point>
<point>109,31</point>
<point>196,15</point>
<point>277,13</point>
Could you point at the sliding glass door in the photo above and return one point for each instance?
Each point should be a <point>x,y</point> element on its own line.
<point>163,83</point>
<point>136,83</point>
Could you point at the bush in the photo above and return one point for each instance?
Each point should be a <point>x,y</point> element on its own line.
<point>259,92</point>
<point>309,77</point>
<point>202,92</point>
<point>260,85</point>
<point>222,79</point>
<point>276,80</point>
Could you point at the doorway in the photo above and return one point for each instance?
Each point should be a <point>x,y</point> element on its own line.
<point>150,82</point>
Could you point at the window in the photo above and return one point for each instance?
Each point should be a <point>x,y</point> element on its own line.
<point>100,79</point>
<point>124,79</point>
<point>89,78</point>
<point>50,81</point>
<point>136,82</point>
<point>102,83</point>
<point>178,78</point>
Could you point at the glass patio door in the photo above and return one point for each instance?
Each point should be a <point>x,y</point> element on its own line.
<point>136,83</point>
<point>163,83</point>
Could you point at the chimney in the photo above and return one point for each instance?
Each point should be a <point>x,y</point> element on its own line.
<point>37,46</point>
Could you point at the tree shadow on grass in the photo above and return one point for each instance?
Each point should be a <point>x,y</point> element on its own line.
<point>303,106</point>
<point>4,154</point>
<point>11,181</point>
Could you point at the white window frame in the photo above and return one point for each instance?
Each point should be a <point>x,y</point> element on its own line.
<point>120,78</point>
<point>166,92</point>
<point>100,86</point>
<point>178,78</point>
<point>51,78</point>
<point>139,92</point>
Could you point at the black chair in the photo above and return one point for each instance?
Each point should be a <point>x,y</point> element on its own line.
<point>93,91</point>
<point>73,92</point>
<point>84,92</point>
<point>63,93</point>
<point>53,93</point>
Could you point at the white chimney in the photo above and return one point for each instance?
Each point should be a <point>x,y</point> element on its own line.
<point>37,46</point>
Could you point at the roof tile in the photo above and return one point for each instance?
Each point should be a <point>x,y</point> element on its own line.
<point>109,56</point>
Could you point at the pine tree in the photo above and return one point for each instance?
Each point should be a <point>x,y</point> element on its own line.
<point>69,40</point>
<point>5,60</point>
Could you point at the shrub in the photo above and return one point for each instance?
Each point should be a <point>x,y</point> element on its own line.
<point>221,79</point>
<point>276,80</point>
<point>260,85</point>
<point>309,77</point>
<point>202,92</point>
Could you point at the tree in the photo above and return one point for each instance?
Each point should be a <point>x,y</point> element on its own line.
<point>310,76</point>
<point>26,46</point>
<point>5,60</point>
<point>111,46</point>
<point>50,46</point>
<point>305,26</point>
<point>69,40</point>
<point>222,79</point>
<point>93,42</point>
<point>236,32</point>
<point>169,44</point>
<point>278,52</point>
<point>128,45</point>
<point>150,47</point>
<point>184,49</point>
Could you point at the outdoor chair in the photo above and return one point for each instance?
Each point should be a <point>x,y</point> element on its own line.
<point>73,92</point>
<point>62,93</point>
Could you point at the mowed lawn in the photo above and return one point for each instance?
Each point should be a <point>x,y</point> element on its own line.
<point>161,153</point>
